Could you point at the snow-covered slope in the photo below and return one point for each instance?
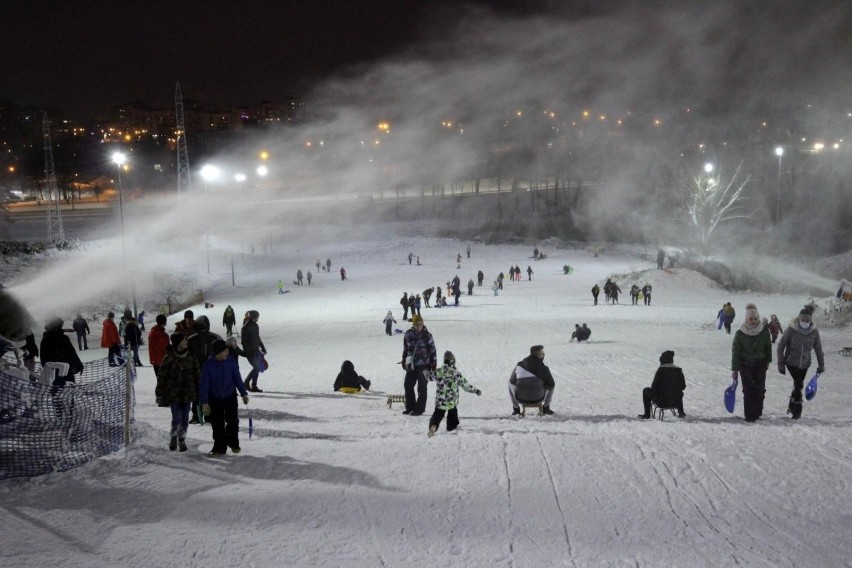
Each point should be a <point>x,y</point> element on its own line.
<point>340,480</point>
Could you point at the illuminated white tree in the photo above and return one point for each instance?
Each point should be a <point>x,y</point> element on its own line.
<point>710,200</point>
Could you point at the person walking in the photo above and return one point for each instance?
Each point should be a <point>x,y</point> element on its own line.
<point>81,328</point>
<point>299,277</point>
<point>447,382</point>
<point>751,354</point>
<point>280,286</point>
<point>404,303</point>
<point>158,343</point>
<point>418,355</point>
<point>229,320</point>
<point>217,395</point>
<point>595,291</point>
<point>309,276</point>
<point>177,387</point>
<point>774,327</point>
<point>646,292</point>
<point>470,287</point>
<point>133,338</point>
<point>529,272</point>
<point>480,276</point>
<point>794,355</point>
<point>253,348</point>
<point>111,340</point>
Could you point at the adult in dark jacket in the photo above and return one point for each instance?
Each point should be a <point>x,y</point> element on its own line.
<point>427,293</point>
<point>81,327</point>
<point>479,278</point>
<point>177,387</point>
<point>253,348</point>
<point>794,353</point>
<point>57,347</point>
<point>666,391</point>
<point>229,320</point>
<point>200,346</point>
<point>217,395</point>
<point>404,303</point>
<point>470,287</point>
<point>646,292</point>
<point>349,381</point>
<point>532,370</point>
<point>418,355</point>
<point>595,291</point>
<point>751,354</point>
<point>133,338</point>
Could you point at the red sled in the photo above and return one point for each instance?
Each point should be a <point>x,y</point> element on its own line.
<point>264,365</point>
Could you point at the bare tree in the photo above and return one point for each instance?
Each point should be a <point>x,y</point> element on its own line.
<point>710,200</point>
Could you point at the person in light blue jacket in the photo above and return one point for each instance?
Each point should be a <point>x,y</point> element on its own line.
<point>217,394</point>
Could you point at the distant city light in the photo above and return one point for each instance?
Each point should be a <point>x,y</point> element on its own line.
<point>818,146</point>
<point>384,127</point>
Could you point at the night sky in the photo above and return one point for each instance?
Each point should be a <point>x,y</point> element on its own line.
<point>86,56</point>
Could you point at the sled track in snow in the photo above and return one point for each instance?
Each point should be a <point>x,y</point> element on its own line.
<point>555,496</point>
<point>509,499</point>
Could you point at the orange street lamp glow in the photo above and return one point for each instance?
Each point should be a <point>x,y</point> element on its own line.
<point>264,155</point>
<point>384,126</point>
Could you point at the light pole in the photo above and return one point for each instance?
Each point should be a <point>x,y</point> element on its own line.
<point>779,151</point>
<point>118,158</point>
<point>209,173</point>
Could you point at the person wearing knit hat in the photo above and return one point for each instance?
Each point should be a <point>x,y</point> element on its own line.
<point>531,378</point>
<point>418,356</point>
<point>794,355</point>
<point>217,396</point>
<point>666,391</point>
<point>751,354</point>
<point>448,379</point>
<point>177,387</point>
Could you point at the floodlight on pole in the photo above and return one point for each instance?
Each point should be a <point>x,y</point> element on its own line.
<point>779,151</point>
<point>709,167</point>
<point>119,159</point>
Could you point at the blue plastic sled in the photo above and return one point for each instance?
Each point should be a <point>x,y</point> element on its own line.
<point>811,389</point>
<point>731,396</point>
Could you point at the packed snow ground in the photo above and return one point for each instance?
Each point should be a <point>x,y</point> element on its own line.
<point>340,480</point>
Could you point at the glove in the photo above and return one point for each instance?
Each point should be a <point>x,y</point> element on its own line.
<point>735,375</point>
<point>782,370</point>
<point>477,392</point>
<point>161,401</point>
<point>205,409</point>
<point>820,370</point>
<point>245,399</point>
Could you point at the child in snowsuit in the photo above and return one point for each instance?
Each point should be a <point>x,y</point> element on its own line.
<point>348,381</point>
<point>388,321</point>
<point>774,327</point>
<point>447,382</point>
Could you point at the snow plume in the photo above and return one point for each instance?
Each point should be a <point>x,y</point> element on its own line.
<point>622,94</point>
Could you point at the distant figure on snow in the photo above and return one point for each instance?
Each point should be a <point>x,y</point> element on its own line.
<point>348,381</point>
<point>388,321</point>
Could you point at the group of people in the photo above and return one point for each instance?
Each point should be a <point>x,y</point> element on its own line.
<point>751,356</point>
<point>198,375</point>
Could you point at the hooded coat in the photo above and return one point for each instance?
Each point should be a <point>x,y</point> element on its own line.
<point>178,377</point>
<point>56,346</point>
<point>794,347</point>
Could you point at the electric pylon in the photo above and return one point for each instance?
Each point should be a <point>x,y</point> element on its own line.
<point>184,183</point>
<point>55,231</point>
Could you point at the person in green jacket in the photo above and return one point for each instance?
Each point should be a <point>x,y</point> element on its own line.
<point>751,356</point>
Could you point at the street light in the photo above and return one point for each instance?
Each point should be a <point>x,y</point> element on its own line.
<point>708,168</point>
<point>118,158</point>
<point>779,151</point>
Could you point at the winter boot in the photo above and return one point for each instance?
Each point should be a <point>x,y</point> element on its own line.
<point>432,429</point>
<point>366,384</point>
<point>515,411</point>
<point>173,443</point>
<point>182,444</point>
<point>794,408</point>
<point>546,410</point>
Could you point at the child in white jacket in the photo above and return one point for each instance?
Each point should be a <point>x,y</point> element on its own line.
<point>448,380</point>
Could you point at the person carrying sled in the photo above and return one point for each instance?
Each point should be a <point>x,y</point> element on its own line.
<point>528,371</point>
<point>447,382</point>
<point>751,354</point>
<point>418,355</point>
<point>794,353</point>
<point>348,381</point>
<point>666,391</point>
<point>253,348</point>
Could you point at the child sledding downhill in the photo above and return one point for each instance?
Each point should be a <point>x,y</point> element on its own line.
<point>447,382</point>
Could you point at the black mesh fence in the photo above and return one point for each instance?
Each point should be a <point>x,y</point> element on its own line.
<point>45,428</point>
